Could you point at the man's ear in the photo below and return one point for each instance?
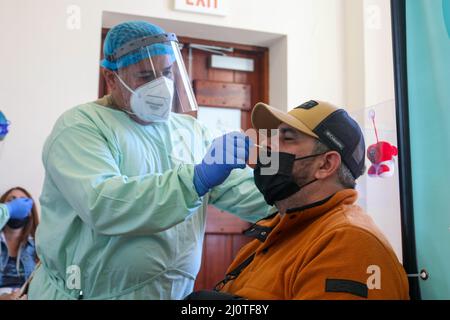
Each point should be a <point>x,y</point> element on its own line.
<point>328,165</point>
<point>110,79</point>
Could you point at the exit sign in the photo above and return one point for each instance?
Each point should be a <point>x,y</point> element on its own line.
<point>216,7</point>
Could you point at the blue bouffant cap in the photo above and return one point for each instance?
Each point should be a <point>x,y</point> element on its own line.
<point>129,31</point>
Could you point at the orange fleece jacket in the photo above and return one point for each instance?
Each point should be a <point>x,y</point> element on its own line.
<point>328,250</point>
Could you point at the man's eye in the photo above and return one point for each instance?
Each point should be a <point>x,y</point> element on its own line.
<point>148,77</point>
<point>167,73</point>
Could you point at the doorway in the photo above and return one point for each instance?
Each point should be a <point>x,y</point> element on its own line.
<point>232,93</point>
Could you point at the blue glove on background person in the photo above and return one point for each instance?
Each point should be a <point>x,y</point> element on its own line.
<point>228,152</point>
<point>4,123</point>
<point>19,208</point>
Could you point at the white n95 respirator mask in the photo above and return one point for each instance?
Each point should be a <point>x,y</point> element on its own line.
<point>152,101</point>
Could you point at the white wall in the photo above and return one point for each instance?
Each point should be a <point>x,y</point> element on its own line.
<point>370,86</point>
<point>47,66</point>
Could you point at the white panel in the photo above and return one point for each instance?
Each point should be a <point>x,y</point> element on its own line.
<point>232,63</point>
<point>220,120</point>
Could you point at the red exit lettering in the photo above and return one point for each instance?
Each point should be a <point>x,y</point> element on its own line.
<point>202,3</point>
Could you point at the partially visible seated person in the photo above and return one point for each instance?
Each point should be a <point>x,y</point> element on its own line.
<point>321,244</point>
<point>17,250</point>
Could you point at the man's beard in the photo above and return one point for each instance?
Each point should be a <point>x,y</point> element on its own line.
<point>303,175</point>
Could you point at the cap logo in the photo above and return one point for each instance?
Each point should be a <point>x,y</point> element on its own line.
<point>308,105</point>
<point>334,140</point>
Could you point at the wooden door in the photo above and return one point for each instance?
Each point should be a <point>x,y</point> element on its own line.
<point>239,90</point>
<point>221,88</point>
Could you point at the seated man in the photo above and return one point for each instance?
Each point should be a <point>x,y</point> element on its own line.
<point>320,245</point>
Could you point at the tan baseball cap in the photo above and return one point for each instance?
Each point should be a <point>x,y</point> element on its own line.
<point>322,120</point>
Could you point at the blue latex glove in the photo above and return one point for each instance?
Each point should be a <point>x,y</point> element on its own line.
<point>3,126</point>
<point>228,152</point>
<point>19,208</point>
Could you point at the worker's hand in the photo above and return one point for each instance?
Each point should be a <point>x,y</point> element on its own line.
<point>19,208</point>
<point>226,153</point>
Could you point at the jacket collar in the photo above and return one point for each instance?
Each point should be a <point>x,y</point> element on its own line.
<point>300,216</point>
<point>316,209</point>
<point>295,217</point>
<point>309,206</point>
<point>30,240</point>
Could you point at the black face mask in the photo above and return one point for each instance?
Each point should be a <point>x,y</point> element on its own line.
<point>280,185</point>
<point>17,223</point>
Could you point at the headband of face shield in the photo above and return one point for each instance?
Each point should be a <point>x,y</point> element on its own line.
<point>153,77</point>
<point>4,124</point>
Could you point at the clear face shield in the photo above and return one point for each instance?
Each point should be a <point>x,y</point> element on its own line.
<point>152,78</point>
